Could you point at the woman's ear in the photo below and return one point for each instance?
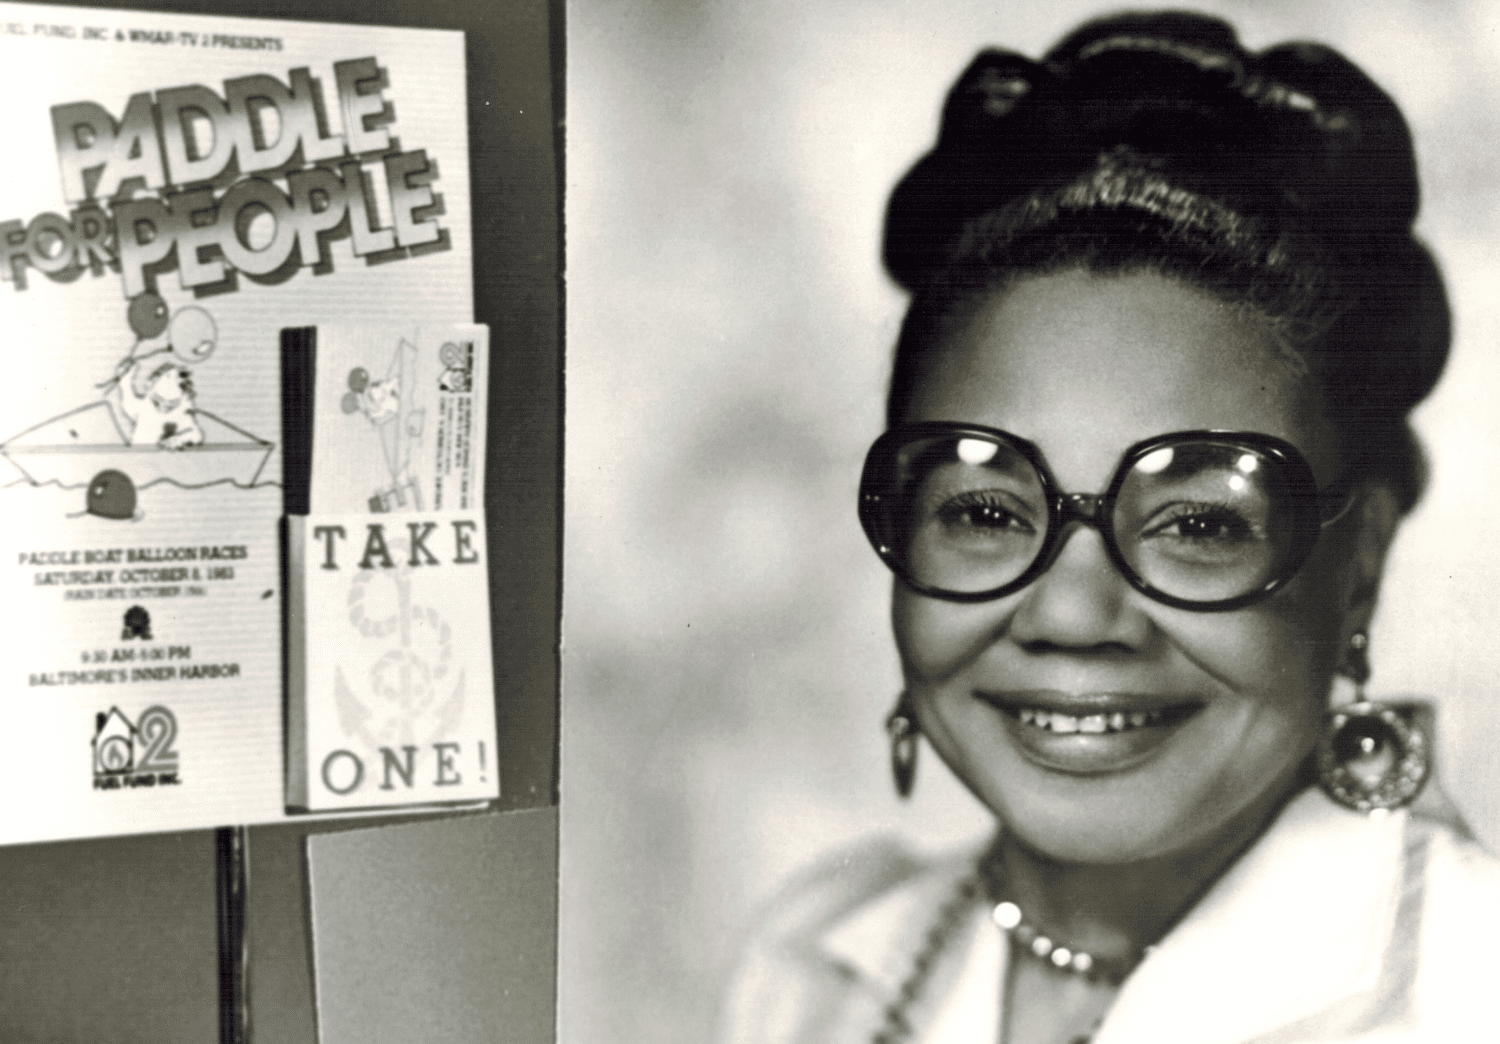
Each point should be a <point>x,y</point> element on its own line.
<point>1377,515</point>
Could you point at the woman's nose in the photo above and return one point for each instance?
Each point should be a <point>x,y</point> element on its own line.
<point>1081,601</point>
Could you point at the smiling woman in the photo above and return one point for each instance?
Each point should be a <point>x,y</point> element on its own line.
<point>1236,695</point>
<point>1147,450</point>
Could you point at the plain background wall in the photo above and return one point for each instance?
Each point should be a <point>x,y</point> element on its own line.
<point>727,659</point>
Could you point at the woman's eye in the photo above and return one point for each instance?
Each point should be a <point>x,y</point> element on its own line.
<point>1207,526</point>
<point>976,513</point>
<point>1204,524</point>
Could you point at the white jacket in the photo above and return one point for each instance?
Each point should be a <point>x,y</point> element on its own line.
<point>1335,926</point>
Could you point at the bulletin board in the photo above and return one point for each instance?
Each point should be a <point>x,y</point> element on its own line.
<point>242,897</point>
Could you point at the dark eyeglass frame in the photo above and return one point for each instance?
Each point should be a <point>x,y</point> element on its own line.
<point>1308,505</point>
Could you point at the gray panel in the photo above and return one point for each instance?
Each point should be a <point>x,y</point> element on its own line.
<point>111,939</point>
<point>442,932</point>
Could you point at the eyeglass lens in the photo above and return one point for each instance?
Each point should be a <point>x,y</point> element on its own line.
<point>1203,521</point>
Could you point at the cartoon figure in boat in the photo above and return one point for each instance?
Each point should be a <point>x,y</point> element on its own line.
<point>397,424</point>
<point>158,402</point>
<point>379,401</point>
<point>154,392</point>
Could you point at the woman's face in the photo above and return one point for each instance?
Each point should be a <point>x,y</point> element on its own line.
<point>1084,366</point>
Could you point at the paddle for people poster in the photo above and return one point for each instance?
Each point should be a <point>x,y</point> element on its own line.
<point>177,190</point>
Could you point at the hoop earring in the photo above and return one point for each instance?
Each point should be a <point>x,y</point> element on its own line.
<point>901,727</point>
<point>1370,757</point>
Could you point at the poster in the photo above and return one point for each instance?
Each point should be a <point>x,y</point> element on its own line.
<point>179,189</point>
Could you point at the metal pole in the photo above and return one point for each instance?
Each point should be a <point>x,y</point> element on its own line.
<point>232,876</point>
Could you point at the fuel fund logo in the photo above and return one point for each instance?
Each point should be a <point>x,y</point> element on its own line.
<point>138,754</point>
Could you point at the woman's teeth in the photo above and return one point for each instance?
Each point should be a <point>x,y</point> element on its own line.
<point>1089,723</point>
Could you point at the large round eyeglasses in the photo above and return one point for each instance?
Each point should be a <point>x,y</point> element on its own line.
<point>1205,520</point>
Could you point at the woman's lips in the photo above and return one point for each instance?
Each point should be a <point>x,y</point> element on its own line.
<point>1091,733</point>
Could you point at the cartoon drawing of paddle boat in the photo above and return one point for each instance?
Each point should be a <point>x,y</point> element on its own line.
<point>72,448</point>
<point>147,425</point>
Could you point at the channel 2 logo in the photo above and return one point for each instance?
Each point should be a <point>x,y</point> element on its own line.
<point>135,755</point>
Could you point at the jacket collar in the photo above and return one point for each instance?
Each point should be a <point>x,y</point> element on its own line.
<point>1300,936</point>
<point>1297,933</point>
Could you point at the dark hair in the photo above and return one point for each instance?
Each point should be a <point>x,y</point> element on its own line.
<point>1282,181</point>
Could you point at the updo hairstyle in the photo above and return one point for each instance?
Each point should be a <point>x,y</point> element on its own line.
<point>1282,182</point>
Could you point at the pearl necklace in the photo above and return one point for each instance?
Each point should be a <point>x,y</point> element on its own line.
<point>1112,970</point>
<point>1034,942</point>
<point>896,1025</point>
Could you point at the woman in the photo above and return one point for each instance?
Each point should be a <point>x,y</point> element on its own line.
<point>1147,449</point>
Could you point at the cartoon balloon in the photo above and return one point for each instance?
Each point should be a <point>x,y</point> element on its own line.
<point>359,379</point>
<point>193,335</point>
<point>111,495</point>
<point>350,403</point>
<point>148,315</point>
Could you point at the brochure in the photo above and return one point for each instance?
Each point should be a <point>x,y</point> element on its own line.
<point>389,683</point>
